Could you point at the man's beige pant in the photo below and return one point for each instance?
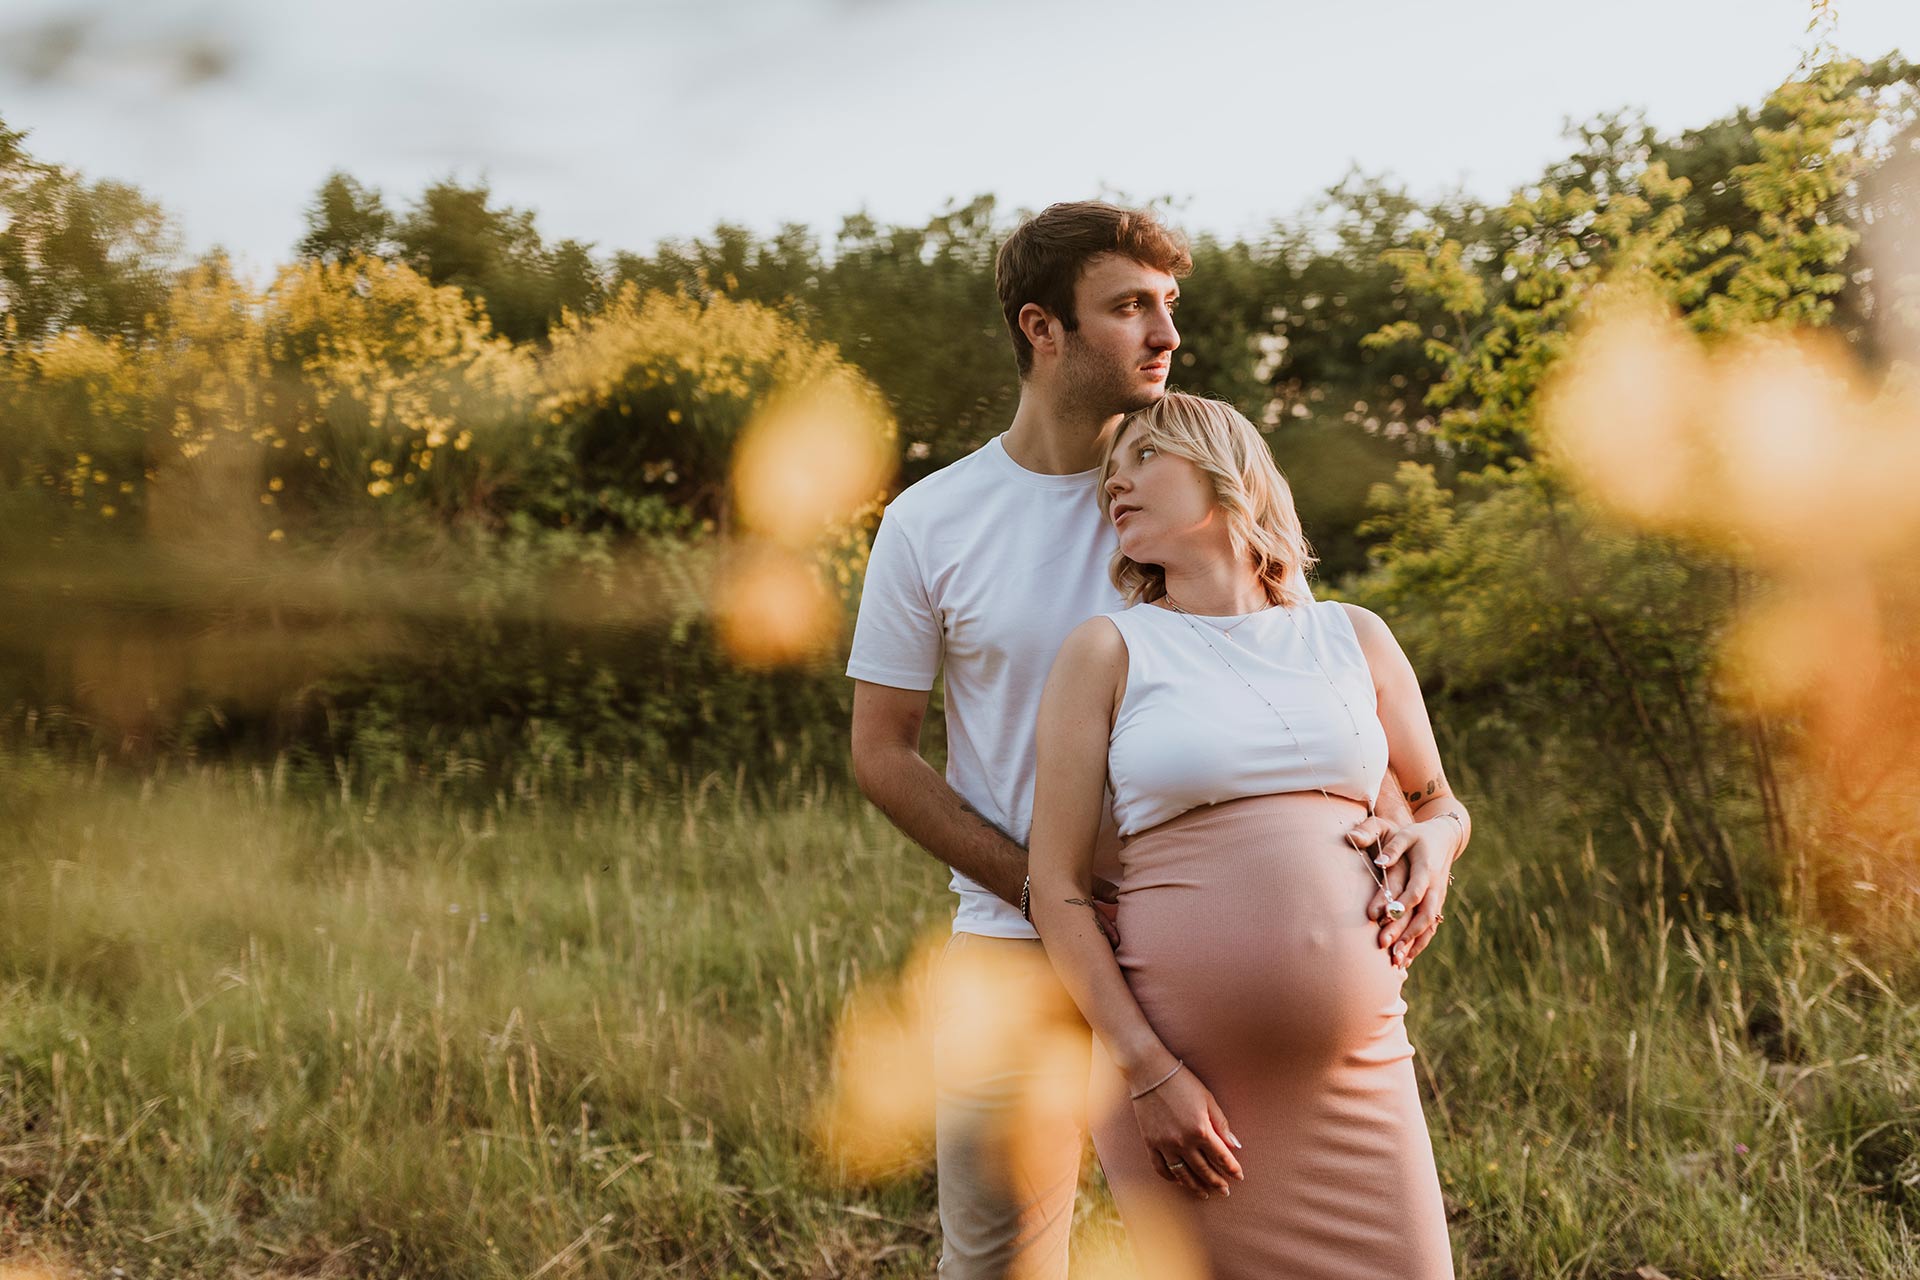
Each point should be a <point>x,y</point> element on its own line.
<point>1011,1056</point>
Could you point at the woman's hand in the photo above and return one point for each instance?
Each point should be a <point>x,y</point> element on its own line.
<point>1188,1135</point>
<point>1367,838</point>
<point>1425,850</point>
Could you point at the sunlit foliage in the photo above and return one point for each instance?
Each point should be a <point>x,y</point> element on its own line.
<point>1587,627</point>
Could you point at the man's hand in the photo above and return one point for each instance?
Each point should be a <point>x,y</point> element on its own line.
<point>1106,909</point>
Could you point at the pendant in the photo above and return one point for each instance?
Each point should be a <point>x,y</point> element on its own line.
<point>1395,908</point>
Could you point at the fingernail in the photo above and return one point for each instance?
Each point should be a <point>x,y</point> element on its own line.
<point>1380,861</point>
<point>1235,1141</point>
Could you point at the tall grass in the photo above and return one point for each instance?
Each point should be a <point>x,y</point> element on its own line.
<point>248,1028</point>
<point>403,1037</point>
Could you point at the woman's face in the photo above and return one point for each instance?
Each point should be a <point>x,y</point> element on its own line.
<point>1161,504</point>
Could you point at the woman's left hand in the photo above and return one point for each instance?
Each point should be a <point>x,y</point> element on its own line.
<point>1426,849</point>
<point>1367,838</point>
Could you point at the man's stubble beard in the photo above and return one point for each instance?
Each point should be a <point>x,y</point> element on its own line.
<point>1095,386</point>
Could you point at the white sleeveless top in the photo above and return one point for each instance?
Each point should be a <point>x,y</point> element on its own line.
<point>1190,732</point>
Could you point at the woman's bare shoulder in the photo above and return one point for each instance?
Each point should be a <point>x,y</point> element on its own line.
<point>1376,638</point>
<point>1369,626</point>
<point>1092,657</point>
<point>1096,638</point>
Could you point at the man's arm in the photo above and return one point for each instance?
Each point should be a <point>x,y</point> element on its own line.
<point>891,773</point>
<point>898,642</point>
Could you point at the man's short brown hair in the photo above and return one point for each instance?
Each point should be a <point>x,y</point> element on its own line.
<point>1042,260</point>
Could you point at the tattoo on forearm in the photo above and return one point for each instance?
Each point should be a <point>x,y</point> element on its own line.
<point>1084,902</point>
<point>1435,785</point>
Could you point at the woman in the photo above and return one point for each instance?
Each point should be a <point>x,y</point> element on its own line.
<point>1254,1089</point>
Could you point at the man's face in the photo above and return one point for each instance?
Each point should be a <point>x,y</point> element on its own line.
<point>1118,358</point>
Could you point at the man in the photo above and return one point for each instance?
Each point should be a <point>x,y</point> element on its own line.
<point>983,568</point>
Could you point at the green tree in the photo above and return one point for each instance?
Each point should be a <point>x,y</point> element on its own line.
<point>456,235</point>
<point>1275,325</point>
<point>913,307</point>
<point>784,270</point>
<point>1559,625</point>
<point>73,253</point>
<point>916,309</point>
<point>345,221</point>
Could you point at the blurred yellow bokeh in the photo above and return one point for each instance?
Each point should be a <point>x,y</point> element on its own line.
<point>1770,444</point>
<point>33,1269</point>
<point>877,1118</point>
<point>810,459</point>
<point>1017,1019</point>
<point>772,606</point>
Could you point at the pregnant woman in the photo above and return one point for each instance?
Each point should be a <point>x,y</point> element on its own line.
<point>1254,1098</point>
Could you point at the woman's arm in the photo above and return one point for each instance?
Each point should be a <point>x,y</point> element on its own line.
<point>1076,716</point>
<point>1441,824</point>
<point>1178,1116</point>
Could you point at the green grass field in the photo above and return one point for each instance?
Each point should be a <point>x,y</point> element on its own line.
<point>247,1030</point>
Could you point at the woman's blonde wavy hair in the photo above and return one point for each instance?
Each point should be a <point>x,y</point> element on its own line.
<point>1247,486</point>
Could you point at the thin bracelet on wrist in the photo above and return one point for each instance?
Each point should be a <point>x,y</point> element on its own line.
<point>1026,898</point>
<point>1459,822</point>
<point>1177,1064</point>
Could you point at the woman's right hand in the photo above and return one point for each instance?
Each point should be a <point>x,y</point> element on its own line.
<point>1188,1135</point>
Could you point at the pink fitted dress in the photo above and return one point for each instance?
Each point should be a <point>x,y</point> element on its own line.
<point>1243,749</point>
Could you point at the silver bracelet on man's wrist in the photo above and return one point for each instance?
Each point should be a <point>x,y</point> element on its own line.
<point>1026,898</point>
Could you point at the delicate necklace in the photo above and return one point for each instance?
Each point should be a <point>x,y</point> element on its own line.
<point>1225,631</point>
<point>1395,907</point>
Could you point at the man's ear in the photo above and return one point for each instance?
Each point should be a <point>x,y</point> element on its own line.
<point>1040,327</point>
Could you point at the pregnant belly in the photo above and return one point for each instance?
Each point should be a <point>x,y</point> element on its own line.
<point>1244,935</point>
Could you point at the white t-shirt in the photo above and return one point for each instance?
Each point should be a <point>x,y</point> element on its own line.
<point>1254,704</point>
<point>985,566</point>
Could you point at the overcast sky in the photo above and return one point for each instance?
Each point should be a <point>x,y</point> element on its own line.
<point>625,122</point>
